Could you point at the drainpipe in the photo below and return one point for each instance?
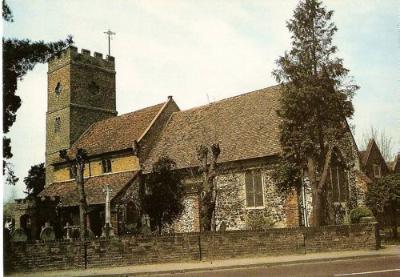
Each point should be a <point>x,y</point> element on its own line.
<point>303,191</point>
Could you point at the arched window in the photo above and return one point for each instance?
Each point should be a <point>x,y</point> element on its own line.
<point>132,215</point>
<point>338,180</point>
<point>131,218</point>
<point>58,89</point>
<point>93,88</point>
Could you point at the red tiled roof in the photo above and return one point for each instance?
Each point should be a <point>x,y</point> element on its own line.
<point>117,133</point>
<point>68,191</point>
<point>363,176</point>
<point>394,166</point>
<point>362,155</point>
<point>391,165</point>
<point>367,152</point>
<point>245,126</point>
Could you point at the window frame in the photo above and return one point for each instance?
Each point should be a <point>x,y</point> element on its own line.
<point>262,190</point>
<point>377,167</point>
<point>338,186</point>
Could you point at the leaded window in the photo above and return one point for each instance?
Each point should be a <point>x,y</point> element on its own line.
<point>106,164</point>
<point>377,170</point>
<point>338,180</point>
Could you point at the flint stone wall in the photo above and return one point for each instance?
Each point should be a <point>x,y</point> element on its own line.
<point>231,205</point>
<point>133,250</point>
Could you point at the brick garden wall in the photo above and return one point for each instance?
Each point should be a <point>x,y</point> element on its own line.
<point>131,250</point>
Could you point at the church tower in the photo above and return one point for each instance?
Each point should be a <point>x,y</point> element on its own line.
<point>81,91</point>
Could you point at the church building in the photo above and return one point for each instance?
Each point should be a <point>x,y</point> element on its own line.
<point>122,148</point>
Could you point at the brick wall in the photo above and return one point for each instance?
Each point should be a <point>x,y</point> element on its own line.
<point>341,237</point>
<point>132,250</point>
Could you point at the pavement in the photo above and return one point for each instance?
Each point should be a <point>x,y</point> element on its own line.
<point>240,263</point>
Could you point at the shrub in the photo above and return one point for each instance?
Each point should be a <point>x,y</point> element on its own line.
<point>258,222</point>
<point>358,213</point>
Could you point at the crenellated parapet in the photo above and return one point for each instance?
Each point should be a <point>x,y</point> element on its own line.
<point>71,55</point>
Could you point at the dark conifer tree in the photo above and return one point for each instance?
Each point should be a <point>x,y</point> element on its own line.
<point>383,198</point>
<point>35,180</point>
<point>163,194</point>
<point>19,57</point>
<point>316,100</point>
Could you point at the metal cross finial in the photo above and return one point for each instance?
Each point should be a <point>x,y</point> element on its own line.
<point>109,33</point>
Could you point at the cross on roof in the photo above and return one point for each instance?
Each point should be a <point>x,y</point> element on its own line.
<point>109,34</point>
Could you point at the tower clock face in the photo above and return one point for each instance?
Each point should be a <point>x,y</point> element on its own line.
<point>94,88</point>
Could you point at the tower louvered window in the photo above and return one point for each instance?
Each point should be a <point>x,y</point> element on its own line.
<point>254,189</point>
<point>58,88</point>
<point>57,125</point>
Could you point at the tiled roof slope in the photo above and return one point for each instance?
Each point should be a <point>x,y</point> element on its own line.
<point>117,133</point>
<point>362,156</point>
<point>68,191</point>
<point>363,176</point>
<point>246,126</point>
<point>367,152</point>
<point>394,166</point>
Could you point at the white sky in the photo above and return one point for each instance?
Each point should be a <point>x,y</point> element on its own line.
<point>191,49</point>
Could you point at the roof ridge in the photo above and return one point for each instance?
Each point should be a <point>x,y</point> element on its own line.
<point>91,127</point>
<point>140,110</point>
<point>229,98</point>
<point>164,106</point>
<point>368,150</point>
<point>126,114</point>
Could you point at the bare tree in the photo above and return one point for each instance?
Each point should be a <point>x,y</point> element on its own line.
<point>383,140</point>
<point>77,166</point>
<point>208,156</point>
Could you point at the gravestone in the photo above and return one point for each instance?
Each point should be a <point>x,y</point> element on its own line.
<point>19,235</point>
<point>367,219</point>
<point>145,230</point>
<point>68,232</point>
<point>222,227</point>
<point>47,233</point>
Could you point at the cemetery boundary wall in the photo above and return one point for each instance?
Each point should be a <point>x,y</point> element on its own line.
<point>182,247</point>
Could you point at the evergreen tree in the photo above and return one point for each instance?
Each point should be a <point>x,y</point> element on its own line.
<point>35,180</point>
<point>383,198</point>
<point>19,57</point>
<point>163,194</point>
<point>316,100</point>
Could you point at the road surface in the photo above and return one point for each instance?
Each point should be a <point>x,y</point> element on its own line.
<point>372,266</point>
